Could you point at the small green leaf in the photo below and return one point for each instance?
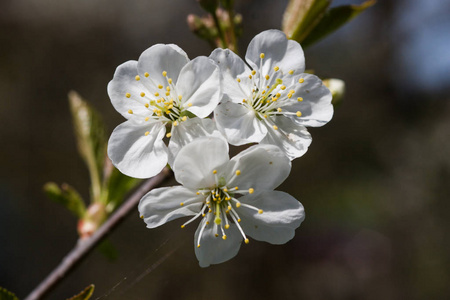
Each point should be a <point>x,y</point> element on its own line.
<point>67,196</point>
<point>7,295</point>
<point>118,186</point>
<point>91,139</point>
<point>301,16</point>
<point>84,295</point>
<point>333,19</point>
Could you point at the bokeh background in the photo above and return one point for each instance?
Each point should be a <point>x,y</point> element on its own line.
<point>375,182</point>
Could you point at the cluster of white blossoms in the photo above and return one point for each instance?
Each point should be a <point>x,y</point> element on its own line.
<point>167,99</point>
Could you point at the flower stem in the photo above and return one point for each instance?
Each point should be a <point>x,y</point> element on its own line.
<point>83,247</point>
<point>220,31</point>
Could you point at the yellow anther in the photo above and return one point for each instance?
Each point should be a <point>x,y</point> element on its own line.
<point>277,95</point>
<point>224,237</point>
<point>238,204</point>
<point>276,69</point>
<point>169,80</point>
<point>247,241</point>
<point>279,109</point>
<point>168,88</point>
<point>263,92</point>
<point>267,77</point>
<point>265,116</point>
<point>175,123</point>
<point>236,188</point>
<point>137,78</point>
<point>227,226</point>
<point>198,246</point>
<point>260,211</point>
<point>184,118</point>
<point>216,235</point>
<point>215,172</point>
<point>238,172</point>
<point>182,226</point>
<point>261,55</point>
<point>130,111</point>
<point>253,72</point>
<point>182,203</point>
<point>243,100</point>
<point>146,74</point>
<point>170,106</point>
<point>164,73</point>
<point>292,91</point>
<point>189,104</point>
<point>147,118</point>
<point>275,127</point>
<point>299,99</point>
<point>289,96</point>
<point>180,97</point>
<point>169,135</point>
<point>299,114</point>
<point>291,72</point>
<point>146,105</point>
<point>160,86</point>
<point>301,80</point>
<point>238,80</point>
<point>239,220</point>
<point>207,222</point>
<point>198,193</point>
<point>156,94</point>
<point>283,87</point>
<point>203,215</point>
<point>128,95</point>
<point>141,217</point>
<point>147,133</point>
<point>167,93</point>
<point>250,76</point>
<point>251,190</point>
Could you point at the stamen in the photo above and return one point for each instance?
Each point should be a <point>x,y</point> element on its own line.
<point>299,114</point>
<point>146,74</point>
<point>261,55</point>
<point>130,111</point>
<point>301,80</point>
<point>164,73</point>
<point>147,133</point>
<point>137,78</point>
<point>128,95</point>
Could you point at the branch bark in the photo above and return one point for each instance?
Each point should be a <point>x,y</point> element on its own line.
<point>83,247</point>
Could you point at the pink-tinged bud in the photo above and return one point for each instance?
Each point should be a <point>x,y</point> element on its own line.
<point>93,219</point>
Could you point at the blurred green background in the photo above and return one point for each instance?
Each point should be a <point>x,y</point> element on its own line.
<point>374,183</point>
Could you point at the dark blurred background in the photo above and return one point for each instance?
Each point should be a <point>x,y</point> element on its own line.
<point>375,182</point>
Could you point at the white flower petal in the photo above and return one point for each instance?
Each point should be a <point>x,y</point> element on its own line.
<point>159,58</point>
<point>261,167</point>
<point>316,108</point>
<point>199,85</point>
<point>136,154</point>
<point>278,51</point>
<point>292,138</point>
<point>232,67</point>
<point>282,214</point>
<point>189,130</point>
<point>194,164</point>
<point>215,250</point>
<point>239,124</point>
<point>124,84</point>
<point>162,205</point>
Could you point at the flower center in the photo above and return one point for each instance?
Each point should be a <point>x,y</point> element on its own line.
<point>267,100</point>
<point>165,104</point>
<point>222,205</point>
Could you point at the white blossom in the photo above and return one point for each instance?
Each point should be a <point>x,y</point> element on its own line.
<point>163,94</point>
<point>234,198</point>
<point>270,100</point>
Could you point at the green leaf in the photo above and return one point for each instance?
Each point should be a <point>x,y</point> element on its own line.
<point>7,295</point>
<point>301,16</point>
<point>118,186</point>
<point>91,139</point>
<point>84,295</point>
<point>334,19</point>
<point>67,196</point>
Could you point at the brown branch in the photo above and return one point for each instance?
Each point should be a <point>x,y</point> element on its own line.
<point>83,247</point>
